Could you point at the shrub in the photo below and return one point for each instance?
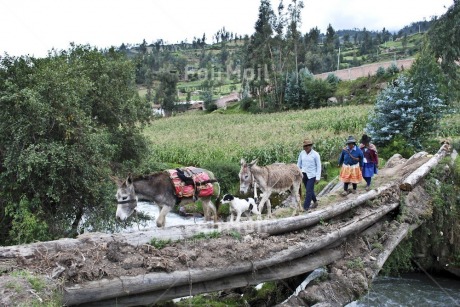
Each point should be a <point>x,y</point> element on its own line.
<point>392,69</point>
<point>397,145</point>
<point>226,173</point>
<point>380,72</point>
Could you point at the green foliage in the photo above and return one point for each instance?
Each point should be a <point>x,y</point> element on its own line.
<point>159,243</point>
<point>316,92</point>
<point>427,78</point>
<point>397,145</point>
<point>247,104</point>
<point>66,122</point>
<point>444,41</point>
<point>225,172</point>
<point>166,93</point>
<point>380,72</point>
<point>205,236</point>
<point>439,238</point>
<point>27,226</point>
<point>356,263</point>
<point>223,210</point>
<point>332,79</point>
<point>399,261</point>
<point>236,235</point>
<point>392,70</point>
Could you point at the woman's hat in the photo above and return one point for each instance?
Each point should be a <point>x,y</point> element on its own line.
<point>365,139</point>
<point>307,142</point>
<point>351,139</point>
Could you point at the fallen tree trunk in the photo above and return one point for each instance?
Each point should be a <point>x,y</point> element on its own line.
<point>409,183</point>
<point>128,285</point>
<point>272,227</point>
<point>285,270</point>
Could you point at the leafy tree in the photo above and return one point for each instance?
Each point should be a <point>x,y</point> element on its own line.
<point>444,40</point>
<point>166,94</point>
<point>312,39</point>
<point>66,122</point>
<point>316,92</point>
<point>207,87</point>
<point>292,91</point>
<point>427,79</point>
<point>329,44</point>
<point>259,51</point>
<point>295,9</point>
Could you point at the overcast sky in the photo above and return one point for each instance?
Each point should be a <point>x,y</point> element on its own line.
<point>33,27</point>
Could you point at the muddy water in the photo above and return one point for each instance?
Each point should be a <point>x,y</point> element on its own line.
<point>418,290</point>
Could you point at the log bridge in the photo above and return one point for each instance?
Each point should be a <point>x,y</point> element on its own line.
<point>336,225</point>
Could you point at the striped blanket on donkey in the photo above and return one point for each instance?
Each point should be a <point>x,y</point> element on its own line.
<point>191,182</point>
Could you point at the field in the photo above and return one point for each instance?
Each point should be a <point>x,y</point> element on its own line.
<point>197,138</point>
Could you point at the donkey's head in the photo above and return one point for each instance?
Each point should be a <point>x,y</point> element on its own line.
<point>126,198</point>
<point>245,175</point>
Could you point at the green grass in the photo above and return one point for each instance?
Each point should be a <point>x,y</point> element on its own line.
<point>204,236</point>
<point>159,244</point>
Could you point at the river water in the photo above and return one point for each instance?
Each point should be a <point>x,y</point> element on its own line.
<point>172,219</point>
<point>418,290</point>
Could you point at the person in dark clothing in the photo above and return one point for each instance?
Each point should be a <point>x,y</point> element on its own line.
<point>370,161</point>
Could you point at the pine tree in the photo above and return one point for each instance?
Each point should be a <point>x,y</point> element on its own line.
<point>411,107</point>
<point>395,113</point>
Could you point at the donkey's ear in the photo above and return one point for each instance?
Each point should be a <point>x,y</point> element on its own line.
<point>253,162</point>
<point>242,161</point>
<point>129,180</point>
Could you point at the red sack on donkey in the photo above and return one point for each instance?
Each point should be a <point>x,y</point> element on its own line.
<point>191,182</point>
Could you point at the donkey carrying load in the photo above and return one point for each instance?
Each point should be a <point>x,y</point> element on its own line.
<point>167,189</point>
<point>274,178</point>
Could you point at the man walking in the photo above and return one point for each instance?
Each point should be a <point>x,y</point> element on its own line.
<point>309,163</point>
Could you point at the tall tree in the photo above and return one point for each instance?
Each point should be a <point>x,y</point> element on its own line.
<point>66,121</point>
<point>260,51</point>
<point>295,10</point>
<point>427,80</point>
<point>166,94</point>
<point>444,37</point>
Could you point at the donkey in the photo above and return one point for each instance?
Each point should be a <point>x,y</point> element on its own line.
<point>157,188</point>
<point>274,178</point>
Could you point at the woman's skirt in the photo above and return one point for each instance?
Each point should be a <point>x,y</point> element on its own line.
<point>351,173</point>
<point>369,170</point>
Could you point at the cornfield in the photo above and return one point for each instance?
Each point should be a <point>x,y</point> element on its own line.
<point>197,139</point>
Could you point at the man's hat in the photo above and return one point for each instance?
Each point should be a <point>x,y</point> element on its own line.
<point>350,140</point>
<point>307,142</point>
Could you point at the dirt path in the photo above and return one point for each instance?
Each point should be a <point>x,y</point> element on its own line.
<point>365,70</point>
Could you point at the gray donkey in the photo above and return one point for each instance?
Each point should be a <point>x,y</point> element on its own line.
<point>273,178</point>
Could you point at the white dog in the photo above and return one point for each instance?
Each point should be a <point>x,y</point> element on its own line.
<point>238,206</point>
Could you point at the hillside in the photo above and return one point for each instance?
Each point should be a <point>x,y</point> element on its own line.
<point>207,71</point>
